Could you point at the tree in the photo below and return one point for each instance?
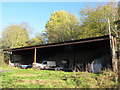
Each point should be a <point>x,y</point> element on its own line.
<point>96,21</point>
<point>1,43</point>
<point>62,26</point>
<point>14,36</point>
<point>37,40</point>
<point>118,21</point>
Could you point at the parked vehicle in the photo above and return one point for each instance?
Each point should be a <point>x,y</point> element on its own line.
<point>20,65</point>
<point>47,65</point>
<point>25,66</point>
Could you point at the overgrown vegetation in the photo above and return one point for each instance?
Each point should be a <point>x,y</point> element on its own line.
<point>32,78</point>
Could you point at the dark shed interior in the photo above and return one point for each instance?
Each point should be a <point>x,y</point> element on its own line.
<point>73,54</point>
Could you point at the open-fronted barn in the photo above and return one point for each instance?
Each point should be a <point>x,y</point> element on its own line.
<point>75,54</point>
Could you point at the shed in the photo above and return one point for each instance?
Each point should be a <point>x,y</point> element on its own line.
<point>69,54</point>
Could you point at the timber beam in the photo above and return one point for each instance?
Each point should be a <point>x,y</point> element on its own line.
<point>35,51</point>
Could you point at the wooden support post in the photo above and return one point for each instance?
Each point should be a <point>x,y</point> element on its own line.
<point>35,57</point>
<point>2,57</point>
<point>114,54</point>
<point>113,46</point>
<point>10,59</point>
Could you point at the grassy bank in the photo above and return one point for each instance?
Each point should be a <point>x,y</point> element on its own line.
<point>32,78</point>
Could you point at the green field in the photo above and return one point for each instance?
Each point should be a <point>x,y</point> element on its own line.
<point>32,78</point>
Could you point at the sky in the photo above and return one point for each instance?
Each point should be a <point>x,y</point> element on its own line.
<point>36,14</point>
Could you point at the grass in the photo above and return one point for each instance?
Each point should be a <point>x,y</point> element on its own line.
<point>32,78</point>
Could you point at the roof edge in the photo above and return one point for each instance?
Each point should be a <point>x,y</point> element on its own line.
<point>63,43</point>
